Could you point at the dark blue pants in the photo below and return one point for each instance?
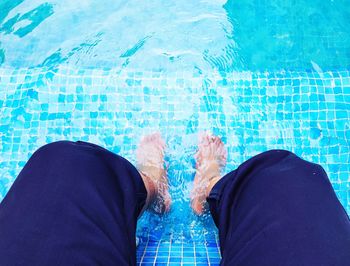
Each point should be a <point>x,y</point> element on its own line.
<point>277,209</point>
<point>75,203</point>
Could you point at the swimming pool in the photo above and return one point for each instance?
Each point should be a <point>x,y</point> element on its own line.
<point>260,74</point>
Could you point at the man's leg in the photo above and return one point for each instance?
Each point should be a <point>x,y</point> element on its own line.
<point>74,203</point>
<point>277,209</point>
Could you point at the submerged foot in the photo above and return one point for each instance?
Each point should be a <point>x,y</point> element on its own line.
<point>150,163</point>
<point>210,159</point>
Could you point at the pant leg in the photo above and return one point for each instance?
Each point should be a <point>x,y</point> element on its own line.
<point>74,203</point>
<point>277,209</point>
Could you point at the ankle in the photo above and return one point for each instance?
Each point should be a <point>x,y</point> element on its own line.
<point>150,187</point>
<point>212,183</point>
<point>209,169</point>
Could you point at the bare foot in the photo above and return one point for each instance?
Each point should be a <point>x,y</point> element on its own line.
<point>210,159</point>
<point>150,163</point>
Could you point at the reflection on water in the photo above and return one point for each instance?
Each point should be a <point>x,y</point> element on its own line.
<point>21,25</point>
<point>291,34</point>
<point>200,36</point>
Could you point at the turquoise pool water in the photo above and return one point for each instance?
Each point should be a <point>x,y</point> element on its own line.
<point>200,35</point>
<point>261,74</point>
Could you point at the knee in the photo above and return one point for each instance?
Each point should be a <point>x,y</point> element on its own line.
<point>64,148</point>
<point>274,155</point>
<point>54,149</point>
<point>57,145</point>
<point>289,160</point>
<point>280,152</point>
